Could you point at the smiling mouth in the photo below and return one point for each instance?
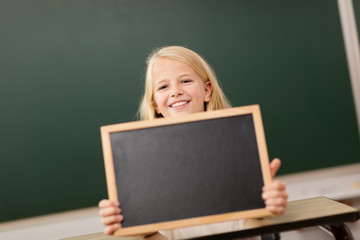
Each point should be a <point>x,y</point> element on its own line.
<point>178,104</point>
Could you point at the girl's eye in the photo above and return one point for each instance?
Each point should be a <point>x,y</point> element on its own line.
<point>186,80</point>
<point>162,87</point>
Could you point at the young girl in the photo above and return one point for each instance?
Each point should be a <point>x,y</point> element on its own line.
<point>178,82</point>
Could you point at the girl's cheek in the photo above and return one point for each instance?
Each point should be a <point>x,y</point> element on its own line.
<point>157,100</point>
<point>161,98</point>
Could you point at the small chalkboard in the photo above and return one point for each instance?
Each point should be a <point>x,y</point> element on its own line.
<point>196,169</point>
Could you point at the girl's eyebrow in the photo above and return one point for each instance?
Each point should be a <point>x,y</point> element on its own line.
<point>166,79</point>
<point>160,82</point>
<point>185,75</point>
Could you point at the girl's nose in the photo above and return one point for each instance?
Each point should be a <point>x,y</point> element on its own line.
<point>176,91</point>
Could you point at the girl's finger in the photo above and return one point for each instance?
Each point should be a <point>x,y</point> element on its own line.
<point>274,166</point>
<point>108,211</point>
<point>275,185</point>
<point>274,194</point>
<point>276,209</point>
<point>110,220</point>
<point>111,229</point>
<point>276,202</point>
<point>107,203</point>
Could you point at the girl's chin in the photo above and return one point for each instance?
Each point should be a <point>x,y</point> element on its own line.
<point>178,113</point>
<point>181,112</point>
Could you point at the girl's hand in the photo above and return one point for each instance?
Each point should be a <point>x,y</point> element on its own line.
<point>110,215</point>
<point>274,194</point>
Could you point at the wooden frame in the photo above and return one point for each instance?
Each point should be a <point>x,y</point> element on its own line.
<point>106,131</point>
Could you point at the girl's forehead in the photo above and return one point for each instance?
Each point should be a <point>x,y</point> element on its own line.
<point>165,68</point>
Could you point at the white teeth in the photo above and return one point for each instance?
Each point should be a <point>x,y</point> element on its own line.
<point>179,104</point>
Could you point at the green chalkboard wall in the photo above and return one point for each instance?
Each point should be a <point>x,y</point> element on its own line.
<point>68,67</point>
<point>356,6</point>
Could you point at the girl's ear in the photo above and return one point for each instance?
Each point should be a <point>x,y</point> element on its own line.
<point>208,91</point>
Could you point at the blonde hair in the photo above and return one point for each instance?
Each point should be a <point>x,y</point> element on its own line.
<point>218,99</point>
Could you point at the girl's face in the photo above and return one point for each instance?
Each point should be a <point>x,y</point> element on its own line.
<point>178,89</point>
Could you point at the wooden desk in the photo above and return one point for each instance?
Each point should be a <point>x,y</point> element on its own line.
<point>318,211</point>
